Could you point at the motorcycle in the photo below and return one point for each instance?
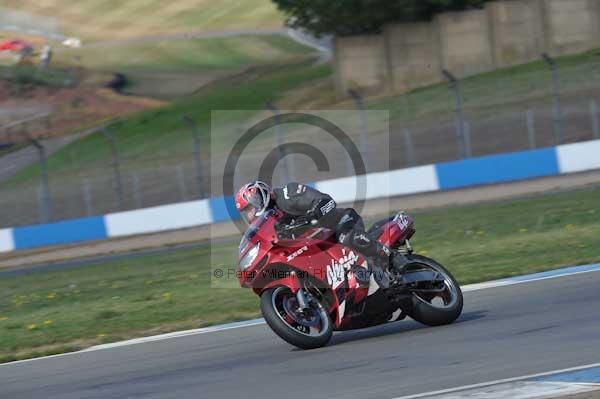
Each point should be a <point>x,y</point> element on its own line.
<point>308,283</point>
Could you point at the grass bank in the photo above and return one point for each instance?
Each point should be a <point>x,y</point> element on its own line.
<point>160,133</point>
<point>52,312</point>
<point>171,69</point>
<point>112,19</point>
<point>185,55</point>
<point>505,90</point>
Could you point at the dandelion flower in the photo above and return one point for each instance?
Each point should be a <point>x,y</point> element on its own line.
<point>32,327</point>
<point>101,335</point>
<point>167,295</point>
<point>47,322</point>
<point>51,295</point>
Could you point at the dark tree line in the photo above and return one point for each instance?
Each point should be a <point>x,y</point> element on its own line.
<point>353,17</point>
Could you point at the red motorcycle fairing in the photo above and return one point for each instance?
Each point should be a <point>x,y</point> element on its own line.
<point>317,259</point>
<point>394,230</point>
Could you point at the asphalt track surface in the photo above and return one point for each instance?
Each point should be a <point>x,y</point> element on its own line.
<point>504,332</point>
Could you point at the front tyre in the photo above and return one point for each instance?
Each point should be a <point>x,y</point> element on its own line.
<point>306,330</point>
<point>435,305</point>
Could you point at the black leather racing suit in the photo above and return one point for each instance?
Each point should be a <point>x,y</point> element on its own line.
<point>298,200</point>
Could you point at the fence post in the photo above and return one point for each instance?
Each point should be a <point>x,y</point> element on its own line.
<point>364,132</point>
<point>181,182</point>
<point>460,125</point>
<point>558,115</point>
<point>286,167</point>
<point>197,156</point>
<point>531,128</point>
<point>116,165</point>
<point>594,116</point>
<point>468,147</point>
<point>409,149</point>
<point>42,212</point>
<point>137,195</point>
<point>87,197</point>
<point>44,194</point>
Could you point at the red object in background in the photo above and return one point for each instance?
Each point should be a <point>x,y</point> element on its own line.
<point>16,45</point>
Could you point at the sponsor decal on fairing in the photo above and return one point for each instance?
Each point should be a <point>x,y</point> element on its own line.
<point>296,253</point>
<point>402,220</point>
<point>336,270</point>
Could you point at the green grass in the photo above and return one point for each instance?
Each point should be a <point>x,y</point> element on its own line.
<point>197,55</point>
<point>169,70</point>
<point>23,76</point>
<point>159,137</point>
<point>46,312</point>
<point>108,19</point>
<point>158,133</point>
<point>501,91</point>
<point>50,312</point>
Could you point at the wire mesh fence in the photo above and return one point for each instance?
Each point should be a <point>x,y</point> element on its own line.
<point>112,170</point>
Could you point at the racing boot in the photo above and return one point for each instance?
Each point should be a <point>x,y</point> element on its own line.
<point>379,271</point>
<point>380,258</point>
<point>393,260</point>
<point>362,274</point>
<point>390,265</point>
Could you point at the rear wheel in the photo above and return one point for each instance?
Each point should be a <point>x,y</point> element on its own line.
<point>437,303</point>
<point>306,329</point>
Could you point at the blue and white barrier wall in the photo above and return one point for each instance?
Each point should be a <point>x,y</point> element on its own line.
<point>491,169</point>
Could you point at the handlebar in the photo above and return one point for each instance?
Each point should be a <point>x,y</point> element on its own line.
<point>303,223</point>
<point>289,229</point>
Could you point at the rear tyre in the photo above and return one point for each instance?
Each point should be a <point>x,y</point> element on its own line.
<point>439,309</point>
<point>306,330</point>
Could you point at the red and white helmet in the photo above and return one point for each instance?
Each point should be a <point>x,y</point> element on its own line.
<point>252,200</point>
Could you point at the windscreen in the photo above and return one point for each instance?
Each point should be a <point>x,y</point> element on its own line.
<point>253,229</point>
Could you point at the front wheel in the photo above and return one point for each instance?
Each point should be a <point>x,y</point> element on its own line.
<point>307,329</point>
<point>440,303</point>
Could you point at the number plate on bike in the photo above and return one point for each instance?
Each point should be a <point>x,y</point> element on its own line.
<point>403,220</point>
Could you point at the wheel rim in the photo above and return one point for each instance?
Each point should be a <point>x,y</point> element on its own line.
<point>315,323</point>
<point>448,295</point>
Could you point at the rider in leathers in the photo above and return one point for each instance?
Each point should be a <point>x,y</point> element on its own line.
<point>303,204</point>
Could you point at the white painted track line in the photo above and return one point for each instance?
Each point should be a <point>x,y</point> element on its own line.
<point>497,382</point>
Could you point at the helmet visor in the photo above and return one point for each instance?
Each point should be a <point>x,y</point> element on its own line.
<point>249,214</point>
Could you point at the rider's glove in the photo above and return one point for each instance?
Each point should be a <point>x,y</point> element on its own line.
<point>302,221</point>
